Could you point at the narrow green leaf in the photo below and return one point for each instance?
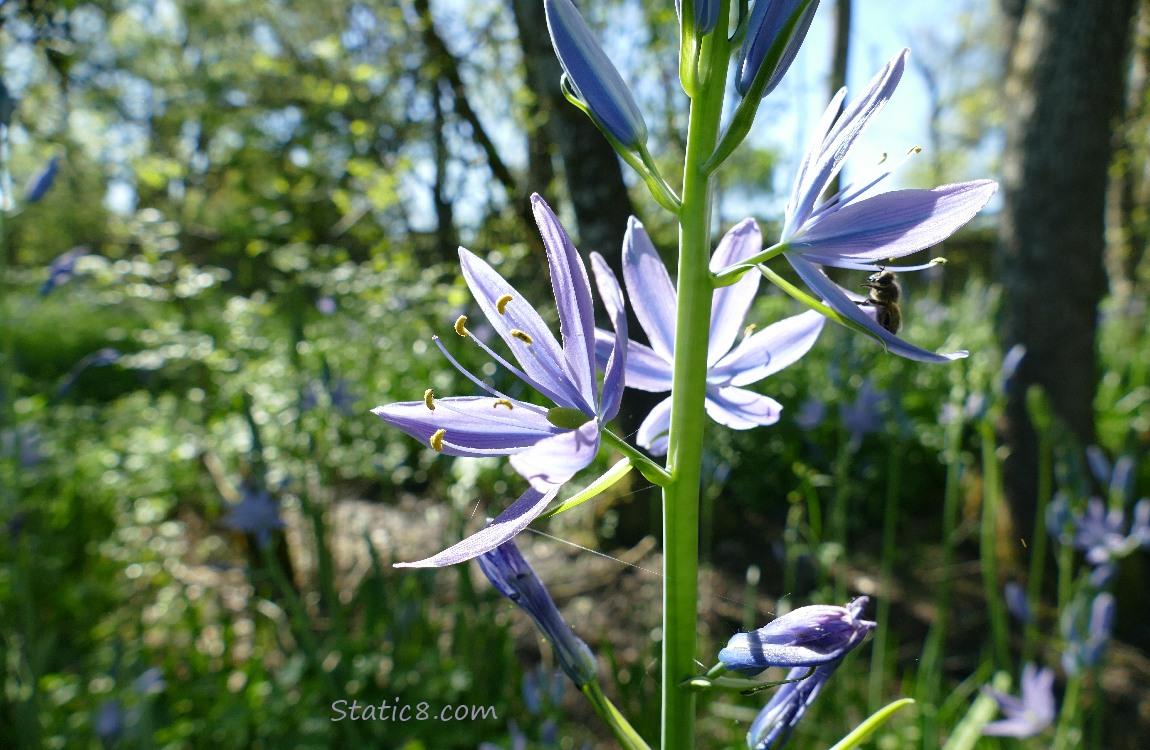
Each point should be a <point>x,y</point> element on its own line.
<point>863,731</point>
<point>984,708</point>
<point>610,477</point>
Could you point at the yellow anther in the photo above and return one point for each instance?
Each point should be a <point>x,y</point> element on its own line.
<point>461,326</point>
<point>749,330</point>
<point>502,402</point>
<point>501,303</point>
<point>938,261</point>
<point>437,439</point>
<point>521,336</point>
<point>914,150</point>
<point>429,399</point>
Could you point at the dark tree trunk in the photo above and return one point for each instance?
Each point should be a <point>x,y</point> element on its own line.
<point>1064,84</point>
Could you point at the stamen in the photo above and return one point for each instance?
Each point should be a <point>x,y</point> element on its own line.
<point>429,399</point>
<point>437,439</point>
<point>501,304</point>
<point>461,326</point>
<point>525,338</point>
<point>502,402</point>
<point>463,370</point>
<point>749,329</point>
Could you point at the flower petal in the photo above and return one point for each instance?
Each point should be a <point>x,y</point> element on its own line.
<point>741,409</point>
<point>729,304</point>
<point>615,372</point>
<point>572,297</point>
<point>551,462</point>
<point>891,225</point>
<point>475,425</point>
<point>768,351</point>
<point>650,289</point>
<point>542,360</point>
<point>652,433</point>
<point>824,160</point>
<point>646,370</point>
<point>506,525</point>
<point>837,299</point>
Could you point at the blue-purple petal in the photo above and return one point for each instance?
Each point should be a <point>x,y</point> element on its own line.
<point>653,431</point>
<point>837,299</point>
<point>766,352</point>
<point>551,462</point>
<point>824,159</point>
<point>615,372</point>
<point>650,289</point>
<point>506,525</point>
<point>542,360</point>
<point>646,370</point>
<point>768,17</point>
<point>474,425</point>
<point>572,297</point>
<point>729,304</point>
<point>741,409</point>
<point>891,225</point>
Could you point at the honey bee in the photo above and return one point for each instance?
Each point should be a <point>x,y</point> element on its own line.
<point>884,295</point>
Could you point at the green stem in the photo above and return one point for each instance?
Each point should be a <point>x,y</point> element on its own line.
<point>628,738</point>
<point>886,578</point>
<point>1068,717</point>
<point>991,489</point>
<point>689,384</point>
<point>653,472</point>
<point>1038,547</point>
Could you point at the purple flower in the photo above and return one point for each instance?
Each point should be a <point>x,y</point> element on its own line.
<point>1030,714</point>
<point>706,14</point>
<point>547,446</point>
<point>848,231</point>
<point>592,77</point>
<point>257,513</point>
<point>41,182</point>
<point>108,723</point>
<point>806,637</point>
<point>62,269</point>
<point>777,721</point>
<point>326,305</point>
<point>513,577</point>
<point>649,368</point>
<point>1101,531</point>
<point>1085,641</point>
<point>1118,479</point>
<point>768,18</point>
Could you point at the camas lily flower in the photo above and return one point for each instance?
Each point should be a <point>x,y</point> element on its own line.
<point>514,577</point>
<point>649,368</point>
<point>805,637</point>
<point>848,231</point>
<point>1030,714</point>
<point>547,446</point>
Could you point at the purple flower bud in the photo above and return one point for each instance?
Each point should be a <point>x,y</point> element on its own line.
<point>806,637</point>
<point>1016,601</point>
<point>768,18</point>
<point>63,268</point>
<point>706,15</point>
<point>41,182</point>
<point>513,577</point>
<point>593,77</point>
<point>777,721</point>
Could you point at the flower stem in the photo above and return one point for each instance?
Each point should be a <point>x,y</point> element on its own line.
<point>685,441</point>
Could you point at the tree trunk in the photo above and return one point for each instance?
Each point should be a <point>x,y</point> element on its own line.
<point>1064,84</point>
<point>840,63</point>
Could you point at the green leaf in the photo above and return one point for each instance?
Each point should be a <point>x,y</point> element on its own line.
<point>863,731</point>
<point>600,485</point>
